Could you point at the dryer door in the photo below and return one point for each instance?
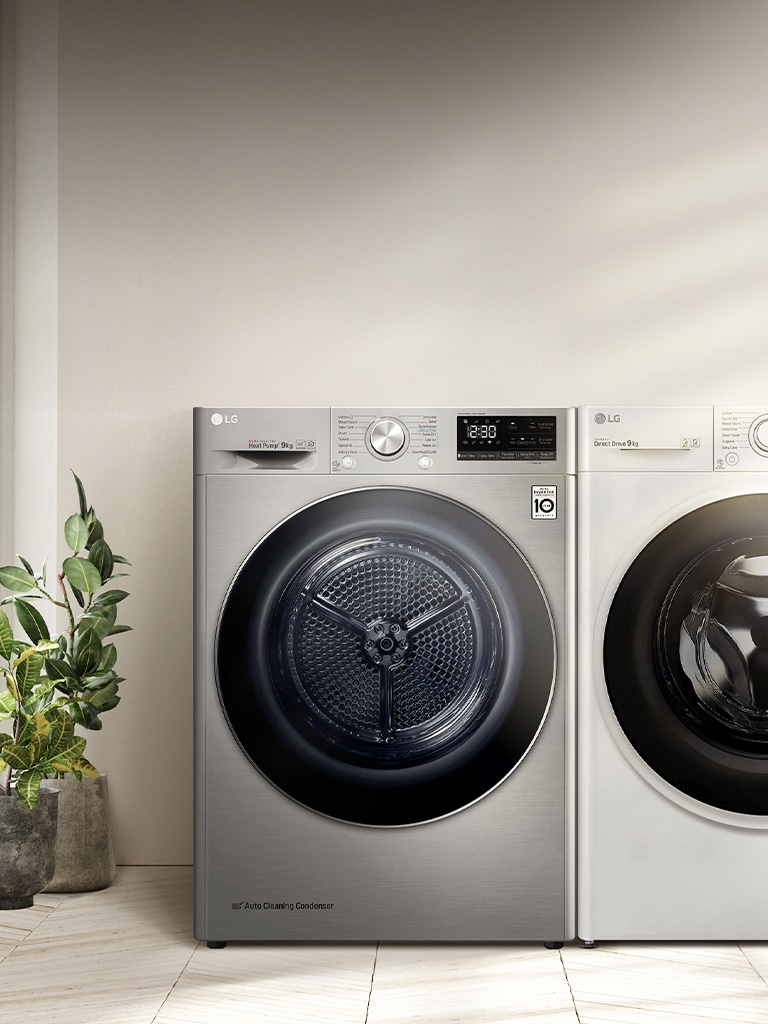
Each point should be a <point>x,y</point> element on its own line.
<point>385,656</point>
<point>686,654</point>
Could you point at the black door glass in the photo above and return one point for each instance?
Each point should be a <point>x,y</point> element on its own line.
<point>685,654</point>
<point>385,656</point>
<point>386,651</point>
<point>713,642</point>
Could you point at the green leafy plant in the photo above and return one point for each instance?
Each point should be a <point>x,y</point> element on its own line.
<point>54,683</point>
<point>43,740</point>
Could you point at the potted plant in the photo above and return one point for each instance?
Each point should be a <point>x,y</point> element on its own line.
<point>78,675</point>
<point>41,742</point>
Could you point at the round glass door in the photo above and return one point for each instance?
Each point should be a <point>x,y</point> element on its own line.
<point>385,656</point>
<point>686,654</point>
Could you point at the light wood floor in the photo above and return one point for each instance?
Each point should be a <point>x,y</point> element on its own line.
<point>127,954</point>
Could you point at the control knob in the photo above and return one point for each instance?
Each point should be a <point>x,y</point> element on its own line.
<point>387,437</point>
<point>758,435</point>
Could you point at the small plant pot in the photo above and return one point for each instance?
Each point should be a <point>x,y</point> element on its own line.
<point>27,845</point>
<point>85,856</point>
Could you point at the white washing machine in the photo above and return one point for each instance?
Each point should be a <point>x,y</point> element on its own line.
<point>384,656</point>
<point>672,673</point>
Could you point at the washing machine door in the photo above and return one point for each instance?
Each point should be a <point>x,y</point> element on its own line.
<point>385,656</point>
<point>686,654</point>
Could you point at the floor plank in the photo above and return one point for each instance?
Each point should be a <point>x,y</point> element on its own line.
<point>316,984</point>
<point>685,983</point>
<point>471,984</point>
<point>110,956</point>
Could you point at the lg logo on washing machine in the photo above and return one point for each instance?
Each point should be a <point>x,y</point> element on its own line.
<point>601,418</point>
<point>217,419</point>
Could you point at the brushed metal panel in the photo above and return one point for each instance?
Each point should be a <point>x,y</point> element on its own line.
<point>492,871</point>
<point>499,869</point>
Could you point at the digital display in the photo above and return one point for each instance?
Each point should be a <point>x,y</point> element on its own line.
<point>482,431</point>
<point>523,438</point>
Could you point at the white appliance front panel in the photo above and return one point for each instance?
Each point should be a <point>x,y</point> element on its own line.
<point>652,862</point>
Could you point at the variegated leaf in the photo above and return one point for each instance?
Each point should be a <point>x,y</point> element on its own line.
<point>28,786</point>
<point>6,637</point>
<point>28,667</point>
<point>85,767</point>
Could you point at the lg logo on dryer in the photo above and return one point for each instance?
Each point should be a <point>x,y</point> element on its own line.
<point>217,419</point>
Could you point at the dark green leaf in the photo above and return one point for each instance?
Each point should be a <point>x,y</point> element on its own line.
<point>31,621</point>
<point>105,698</point>
<point>111,597</point>
<point>16,579</point>
<point>26,565</point>
<point>87,651</point>
<point>119,629</point>
<point>80,495</point>
<point>100,618</point>
<point>95,532</point>
<point>108,658</point>
<point>59,671</point>
<point>99,680</point>
<point>101,556</point>
<point>121,560</point>
<point>80,715</point>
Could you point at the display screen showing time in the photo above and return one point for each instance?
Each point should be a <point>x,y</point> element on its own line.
<point>482,431</point>
<point>524,438</point>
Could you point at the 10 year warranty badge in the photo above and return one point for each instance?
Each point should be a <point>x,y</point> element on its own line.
<point>543,502</point>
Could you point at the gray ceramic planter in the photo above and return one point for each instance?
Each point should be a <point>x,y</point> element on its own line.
<point>27,844</point>
<point>85,857</point>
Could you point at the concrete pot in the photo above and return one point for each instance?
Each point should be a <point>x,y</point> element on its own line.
<point>85,856</point>
<point>27,844</point>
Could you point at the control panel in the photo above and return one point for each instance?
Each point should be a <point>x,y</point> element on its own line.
<point>682,439</point>
<point>385,441</point>
<point>645,438</point>
<point>518,438</point>
<point>741,439</point>
<point>446,440</point>
<point>362,439</point>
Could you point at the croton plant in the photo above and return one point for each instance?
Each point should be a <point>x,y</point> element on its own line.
<point>57,681</point>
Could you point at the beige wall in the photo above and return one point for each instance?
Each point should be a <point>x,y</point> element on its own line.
<point>373,201</point>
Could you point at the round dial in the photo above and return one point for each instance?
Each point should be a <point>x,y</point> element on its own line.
<point>758,435</point>
<point>387,437</point>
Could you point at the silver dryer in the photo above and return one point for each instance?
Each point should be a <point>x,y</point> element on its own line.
<point>383,674</point>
